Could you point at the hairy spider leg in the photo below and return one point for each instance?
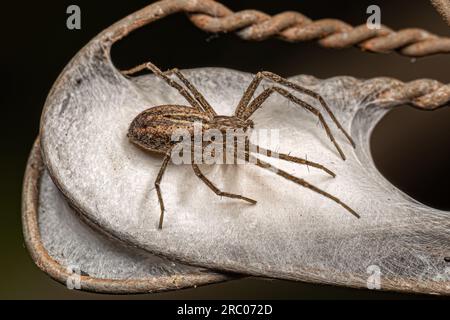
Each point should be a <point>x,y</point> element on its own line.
<point>200,98</point>
<point>210,185</point>
<point>259,100</point>
<point>150,66</point>
<point>301,182</point>
<point>250,91</point>
<point>289,158</point>
<point>164,165</point>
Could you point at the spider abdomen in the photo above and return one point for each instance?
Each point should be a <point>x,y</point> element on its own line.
<point>154,129</point>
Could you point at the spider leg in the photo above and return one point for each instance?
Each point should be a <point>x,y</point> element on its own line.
<point>248,94</point>
<point>150,66</point>
<point>216,190</point>
<point>210,185</point>
<point>300,182</point>
<point>200,98</point>
<point>258,102</point>
<point>282,156</point>
<point>158,186</point>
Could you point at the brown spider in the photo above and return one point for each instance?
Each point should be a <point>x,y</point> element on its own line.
<point>153,129</point>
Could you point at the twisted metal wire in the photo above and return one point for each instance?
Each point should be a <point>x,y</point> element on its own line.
<point>424,94</point>
<point>331,33</point>
<point>443,7</point>
<point>214,17</point>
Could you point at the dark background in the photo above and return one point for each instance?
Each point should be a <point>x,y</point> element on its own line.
<point>411,147</point>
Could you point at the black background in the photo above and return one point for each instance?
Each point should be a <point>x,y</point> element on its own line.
<point>410,147</point>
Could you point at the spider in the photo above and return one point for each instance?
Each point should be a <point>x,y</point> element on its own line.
<point>152,129</point>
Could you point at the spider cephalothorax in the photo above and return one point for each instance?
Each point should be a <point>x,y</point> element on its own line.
<point>225,123</point>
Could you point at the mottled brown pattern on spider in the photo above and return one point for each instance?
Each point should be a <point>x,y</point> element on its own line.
<point>154,128</point>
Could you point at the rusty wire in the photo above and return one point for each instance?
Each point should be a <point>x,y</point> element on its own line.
<point>443,7</point>
<point>331,33</point>
<point>426,94</point>
<point>214,17</point>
